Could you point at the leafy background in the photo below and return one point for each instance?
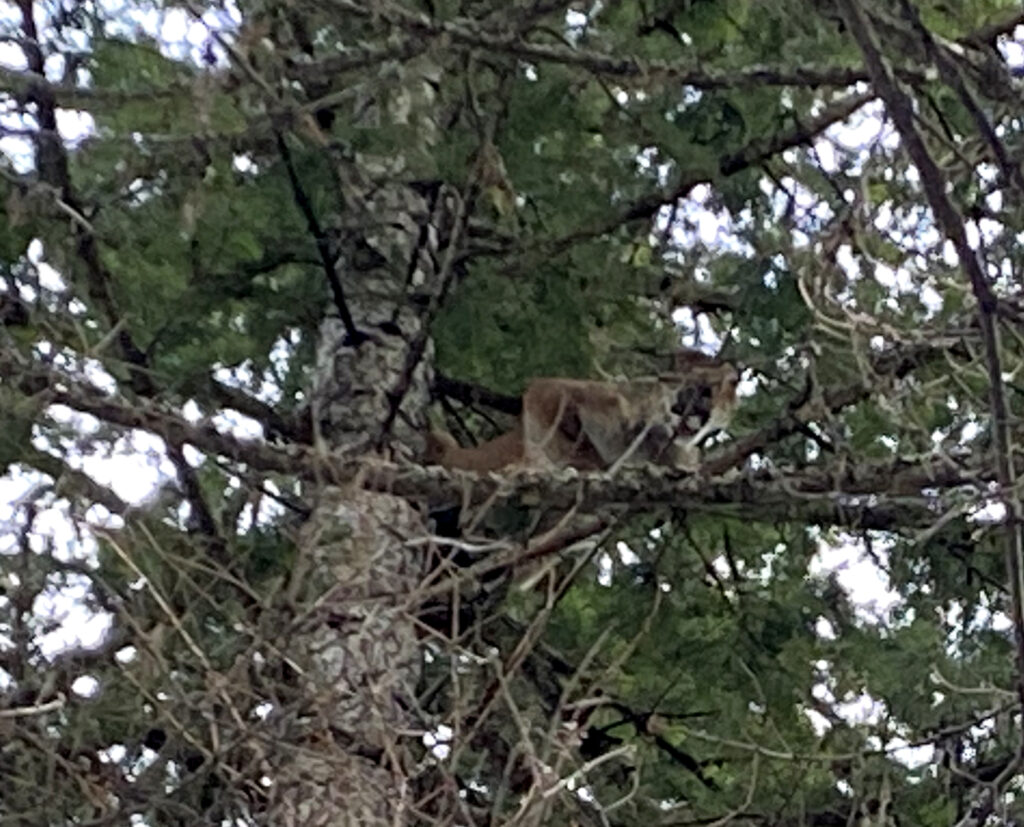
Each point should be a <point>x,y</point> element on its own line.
<point>706,172</point>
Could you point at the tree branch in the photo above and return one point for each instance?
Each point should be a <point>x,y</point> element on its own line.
<point>471,394</point>
<point>275,425</point>
<point>467,33</point>
<point>355,337</point>
<point>808,495</point>
<point>68,480</point>
<point>901,110</point>
<point>755,152</point>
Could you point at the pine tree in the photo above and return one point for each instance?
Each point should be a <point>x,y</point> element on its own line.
<point>251,256</point>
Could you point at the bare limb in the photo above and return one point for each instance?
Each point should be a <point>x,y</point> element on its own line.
<point>355,336</point>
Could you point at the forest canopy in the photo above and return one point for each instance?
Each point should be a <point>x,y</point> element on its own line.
<point>251,254</point>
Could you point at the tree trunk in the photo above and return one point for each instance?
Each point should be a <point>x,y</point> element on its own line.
<point>357,645</point>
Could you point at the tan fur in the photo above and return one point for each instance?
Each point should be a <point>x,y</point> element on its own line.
<point>562,417</point>
<point>659,420</point>
<point>591,425</point>
<point>442,449</point>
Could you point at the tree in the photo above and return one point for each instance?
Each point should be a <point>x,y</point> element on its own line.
<point>269,246</point>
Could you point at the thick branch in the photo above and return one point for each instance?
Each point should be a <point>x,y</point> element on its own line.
<point>470,394</point>
<point>893,364</point>
<point>806,497</point>
<point>754,153</point>
<point>901,110</point>
<point>354,336</point>
<point>812,495</point>
<point>991,32</point>
<point>275,426</point>
<point>71,481</point>
<point>465,32</point>
<point>52,163</point>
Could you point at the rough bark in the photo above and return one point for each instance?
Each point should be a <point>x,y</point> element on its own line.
<point>357,646</point>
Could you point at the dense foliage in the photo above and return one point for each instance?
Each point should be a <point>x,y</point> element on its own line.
<point>822,629</point>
